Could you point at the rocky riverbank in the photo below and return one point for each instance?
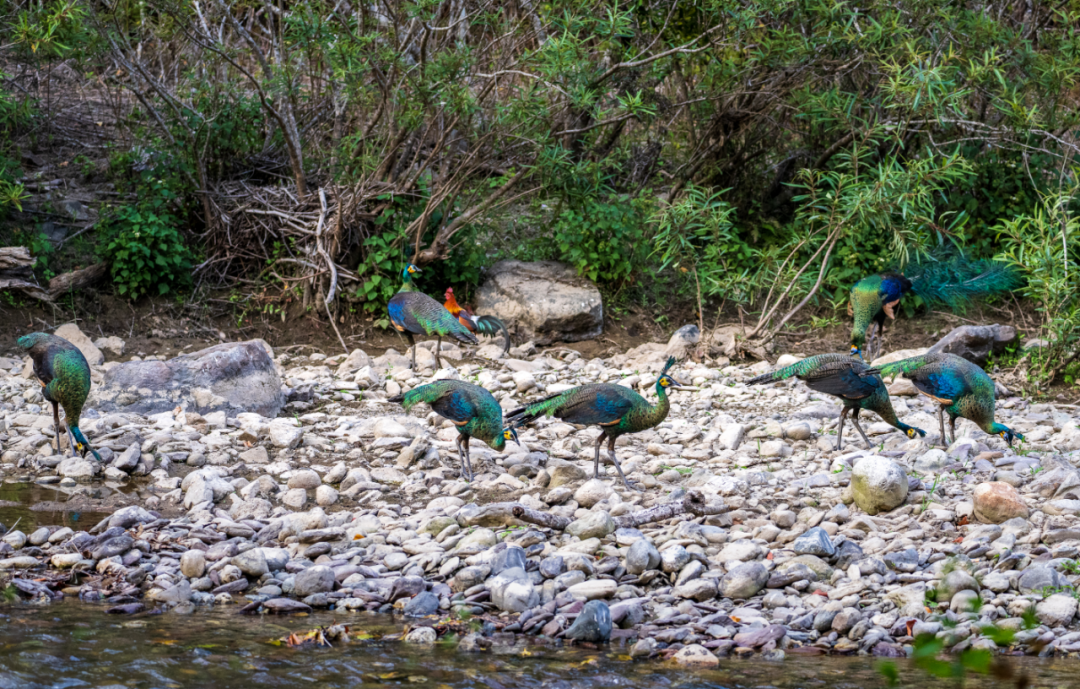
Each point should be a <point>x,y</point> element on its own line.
<point>344,501</point>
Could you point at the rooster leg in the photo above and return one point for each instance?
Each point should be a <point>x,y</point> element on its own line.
<point>56,424</point>
<point>615,461</point>
<point>840,430</point>
<point>858,427</point>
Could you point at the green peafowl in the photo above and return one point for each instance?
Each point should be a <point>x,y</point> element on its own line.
<point>65,375</point>
<point>485,325</point>
<point>949,283</point>
<point>415,313</point>
<point>960,388</point>
<point>472,409</point>
<point>615,408</point>
<point>839,375</point>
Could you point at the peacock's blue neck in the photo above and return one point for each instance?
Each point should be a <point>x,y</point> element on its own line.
<point>407,282</point>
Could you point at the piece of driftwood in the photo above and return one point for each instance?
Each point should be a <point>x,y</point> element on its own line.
<point>77,279</point>
<point>17,272</point>
<point>544,519</point>
<point>693,503</point>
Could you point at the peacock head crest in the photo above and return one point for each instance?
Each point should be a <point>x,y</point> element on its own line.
<point>82,445</point>
<point>666,381</point>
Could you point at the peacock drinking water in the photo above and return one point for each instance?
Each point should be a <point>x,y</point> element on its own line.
<point>472,409</point>
<point>839,375</point>
<point>65,375</point>
<point>948,283</point>
<point>415,313</point>
<point>615,408</point>
<point>960,388</point>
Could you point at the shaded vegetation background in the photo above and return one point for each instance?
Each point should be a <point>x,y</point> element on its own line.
<point>758,155</point>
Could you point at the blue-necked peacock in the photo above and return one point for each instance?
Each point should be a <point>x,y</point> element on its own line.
<point>940,283</point>
<point>472,409</point>
<point>615,408</point>
<point>960,388</point>
<point>65,375</point>
<point>839,375</point>
<point>415,313</point>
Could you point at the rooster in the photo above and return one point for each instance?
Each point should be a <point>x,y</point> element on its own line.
<point>482,325</point>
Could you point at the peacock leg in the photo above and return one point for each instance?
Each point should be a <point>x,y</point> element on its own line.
<point>71,439</point>
<point>941,424</point>
<point>463,448</point>
<point>56,424</point>
<point>840,430</point>
<point>615,461</point>
<point>438,346</point>
<point>412,344</point>
<point>596,457</point>
<point>952,427</point>
<point>858,427</point>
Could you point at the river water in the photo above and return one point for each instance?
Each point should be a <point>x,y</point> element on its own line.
<point>75,644</point>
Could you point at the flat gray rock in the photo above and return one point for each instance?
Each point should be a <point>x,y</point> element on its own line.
<point>234,377</point>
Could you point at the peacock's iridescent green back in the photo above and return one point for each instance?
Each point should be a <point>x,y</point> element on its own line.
<point>865,304</point>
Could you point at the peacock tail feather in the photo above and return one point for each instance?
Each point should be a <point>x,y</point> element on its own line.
<point>957,281</point>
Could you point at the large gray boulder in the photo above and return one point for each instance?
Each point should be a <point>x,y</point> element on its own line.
<point>976,342</point>
<point>234,377</point>
<point>546,301</point>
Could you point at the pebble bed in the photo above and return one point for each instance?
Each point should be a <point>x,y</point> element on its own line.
<point>346,502</point>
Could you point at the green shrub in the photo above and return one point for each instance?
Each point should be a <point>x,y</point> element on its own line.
<point>146,251</point>
<point>1042,246</point>
<point>601,237</point>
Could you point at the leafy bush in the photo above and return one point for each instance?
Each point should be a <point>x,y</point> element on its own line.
<point>1043,246</point>
<point>600,238</point>
<point>146,252</point>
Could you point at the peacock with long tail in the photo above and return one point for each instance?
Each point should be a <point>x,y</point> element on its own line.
<point>839,375</point>
<point>615,408</point>
<point>949,283</point>
<point>472,409</point>
<point>414,313</point>
<point>65,375</point>
<point>482,325</point>
<point>960,388</point>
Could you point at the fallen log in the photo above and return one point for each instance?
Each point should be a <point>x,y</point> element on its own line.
<point>77,279</point>
<point>544,519</point>
<point>693,503</point>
